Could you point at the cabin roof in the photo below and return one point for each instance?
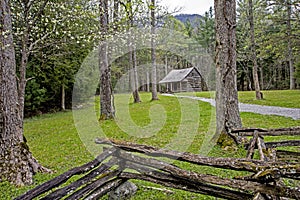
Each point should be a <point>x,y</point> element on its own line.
<point>178,75</point>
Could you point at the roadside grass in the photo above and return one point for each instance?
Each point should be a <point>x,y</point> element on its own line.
<point>282,98</point>
<point>58,144</point>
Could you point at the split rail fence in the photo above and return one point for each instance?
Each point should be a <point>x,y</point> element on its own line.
<point>124,161</point>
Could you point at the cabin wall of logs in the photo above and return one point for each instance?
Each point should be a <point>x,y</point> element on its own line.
<point>110,170</point>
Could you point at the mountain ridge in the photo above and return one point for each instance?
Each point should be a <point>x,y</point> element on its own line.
<point>193,18</point>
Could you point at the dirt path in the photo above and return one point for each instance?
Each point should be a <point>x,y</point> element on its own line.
<point>264,110</point>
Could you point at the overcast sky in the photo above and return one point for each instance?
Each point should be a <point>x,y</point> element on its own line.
<point>189,6</point>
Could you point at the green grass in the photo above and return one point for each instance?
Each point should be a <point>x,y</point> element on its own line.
<point>54,141</point>
<point>183,124</point>
<point>282,98</point>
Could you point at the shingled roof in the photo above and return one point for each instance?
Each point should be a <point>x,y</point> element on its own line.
<point>177,75</point>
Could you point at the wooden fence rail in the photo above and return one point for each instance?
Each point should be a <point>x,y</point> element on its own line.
<point>110,170</point>
<point>267,150</point>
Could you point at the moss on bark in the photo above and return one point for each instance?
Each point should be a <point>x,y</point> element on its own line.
<point>225,141</point>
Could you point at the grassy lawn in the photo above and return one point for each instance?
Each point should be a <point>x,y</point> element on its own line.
<point>180,124</point>
<point>282,98</point>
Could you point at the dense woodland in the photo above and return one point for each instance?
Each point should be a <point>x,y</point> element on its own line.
<point>53,38</point>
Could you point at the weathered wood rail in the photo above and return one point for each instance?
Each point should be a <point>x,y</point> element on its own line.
<point>267,150</point>
<point>109,170</point>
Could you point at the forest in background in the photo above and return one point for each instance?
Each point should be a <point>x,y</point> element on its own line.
<point>58,40</point>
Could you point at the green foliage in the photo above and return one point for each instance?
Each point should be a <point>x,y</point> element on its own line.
<point>270,23</point>
<point>225,141</point>
<point>189,28</point>
<point>60,34</point>
<point>35,96</point>
<point>297,74</point>
<point>200,29</point>
<point>205,31</point>
<point>174,24</point>
<point>67,30</point>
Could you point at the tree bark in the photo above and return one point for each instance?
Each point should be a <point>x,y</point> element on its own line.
<point>258,94</point>
<point>136,95</point>
<point>22,71</point>
<point>166,72</point>
<point>133,73</point>
<point>107,110</point>
<point>290,49</point>
<point>262,78</point>
<point>17,165</point>
<point>148,80</point>
<point>227,109</point>
<point>116,13</point>
<point>132,57</point>
<point>63,97</point>
<point>153,52</point>
<point>26,48</point>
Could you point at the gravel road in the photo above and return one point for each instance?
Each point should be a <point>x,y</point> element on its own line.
<point>264,110</point>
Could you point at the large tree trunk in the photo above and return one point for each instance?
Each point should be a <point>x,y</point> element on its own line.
<point>153,53</point>
<point>106,96</point>
<point>148,80</point>
<point>135,88</point>
<point>258,94</point>
<point>63,97</point>
<point>132,58</point>
<point>166,72</point>
<point>290,49</point>
<point>227,109</point>
<point>17,164</point>
<point>262,78</point>
<point>133,73</point>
